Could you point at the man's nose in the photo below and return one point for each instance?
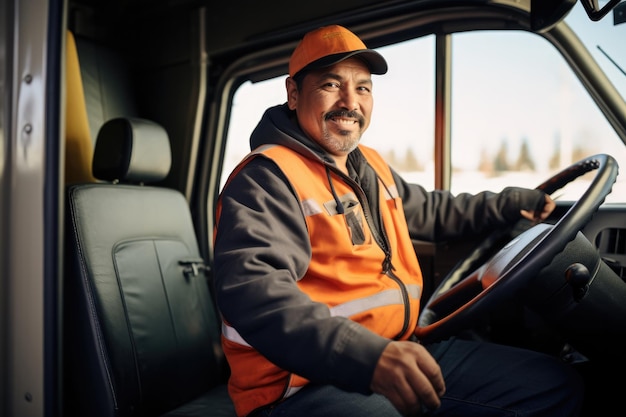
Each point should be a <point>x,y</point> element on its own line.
<point>349,100</point>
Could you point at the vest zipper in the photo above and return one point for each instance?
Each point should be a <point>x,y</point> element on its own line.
<point>381,239</point>
<point>405,296</point>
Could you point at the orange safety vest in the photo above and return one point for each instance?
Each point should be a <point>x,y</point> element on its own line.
<point>348,278</point>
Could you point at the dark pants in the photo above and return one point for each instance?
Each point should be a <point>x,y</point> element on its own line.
<point>482,380</point>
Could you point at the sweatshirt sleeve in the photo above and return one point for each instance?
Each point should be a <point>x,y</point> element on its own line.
<point>261,250</point>
<point>439,215</point>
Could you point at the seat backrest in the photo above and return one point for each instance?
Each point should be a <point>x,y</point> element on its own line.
<point>142,336</point>
<point>98,86</point>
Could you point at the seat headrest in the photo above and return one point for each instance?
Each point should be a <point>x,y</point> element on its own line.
<point>132,150</point>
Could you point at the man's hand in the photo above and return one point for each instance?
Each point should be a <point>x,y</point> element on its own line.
<point>539,216</point>
<point>409,377</point>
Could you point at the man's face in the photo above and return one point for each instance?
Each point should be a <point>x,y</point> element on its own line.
<point>334,105</point>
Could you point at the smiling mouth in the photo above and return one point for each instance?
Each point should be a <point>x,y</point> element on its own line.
<point>345,119</point>
<point>344,122</point>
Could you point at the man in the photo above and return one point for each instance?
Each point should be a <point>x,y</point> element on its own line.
<point>316,277</point>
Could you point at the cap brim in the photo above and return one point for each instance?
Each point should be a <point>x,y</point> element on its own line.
<point>375,61</point>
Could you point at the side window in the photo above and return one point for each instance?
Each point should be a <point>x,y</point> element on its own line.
<point>403,119</point>
<point>249,103</point>
<point>402,123</point>
<point>519,115</point>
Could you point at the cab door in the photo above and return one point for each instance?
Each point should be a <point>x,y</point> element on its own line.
<point>31,120</point>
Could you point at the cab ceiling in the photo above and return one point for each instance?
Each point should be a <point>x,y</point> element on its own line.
<point>230,23</point>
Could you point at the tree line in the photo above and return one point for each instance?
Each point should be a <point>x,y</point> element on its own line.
<point>492,164</point>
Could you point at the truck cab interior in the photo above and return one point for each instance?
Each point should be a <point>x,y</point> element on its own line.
<point>121,120</point>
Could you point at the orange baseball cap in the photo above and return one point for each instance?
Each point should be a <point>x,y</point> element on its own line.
<point>329,45</point>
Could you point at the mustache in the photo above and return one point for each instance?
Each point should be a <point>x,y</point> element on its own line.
<point>346,114</point>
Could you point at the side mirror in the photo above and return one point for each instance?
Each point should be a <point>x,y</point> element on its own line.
<point>595,12</point>
<point>619,14</point>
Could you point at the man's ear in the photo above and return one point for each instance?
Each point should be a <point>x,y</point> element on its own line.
<point>292,93</point>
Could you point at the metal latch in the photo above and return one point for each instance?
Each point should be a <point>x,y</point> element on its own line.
<point>193,266</point>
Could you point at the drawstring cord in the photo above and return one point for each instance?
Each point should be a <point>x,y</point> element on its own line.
<point>340,208</point>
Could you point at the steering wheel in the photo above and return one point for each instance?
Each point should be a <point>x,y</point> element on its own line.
<point>463,296</point>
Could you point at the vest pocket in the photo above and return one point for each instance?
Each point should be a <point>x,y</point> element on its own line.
<point>354,221</point>
<point>353,216</point>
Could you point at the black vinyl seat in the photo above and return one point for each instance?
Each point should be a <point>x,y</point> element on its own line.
<point>141,333</point>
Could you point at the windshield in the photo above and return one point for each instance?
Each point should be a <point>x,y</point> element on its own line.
<point>519,114</point>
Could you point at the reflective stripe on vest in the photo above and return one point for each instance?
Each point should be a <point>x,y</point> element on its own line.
<point>347,309</point>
